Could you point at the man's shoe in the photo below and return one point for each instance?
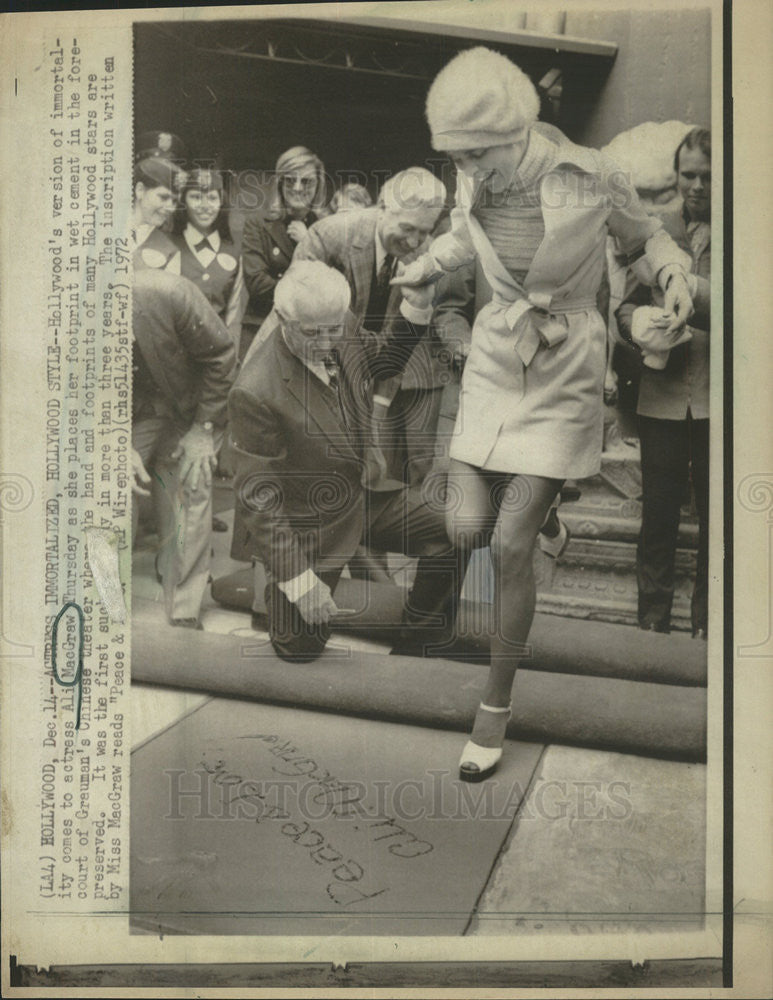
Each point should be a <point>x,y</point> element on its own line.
<point>258,621</point>
<point>218,524</point>
<point>654,627</point>
<point>193,623</point>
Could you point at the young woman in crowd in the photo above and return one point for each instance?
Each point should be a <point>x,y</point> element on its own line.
<point>208,255</point>
<point>297,198</point>
<point>156,182</point>
<point>209,258</point>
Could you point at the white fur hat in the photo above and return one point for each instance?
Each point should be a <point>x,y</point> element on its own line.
<point>480,99</point>
<point>646,153</point>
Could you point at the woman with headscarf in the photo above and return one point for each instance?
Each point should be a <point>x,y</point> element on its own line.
<point>297,200</point>
<point>208,255</point>
<point>535,212</point>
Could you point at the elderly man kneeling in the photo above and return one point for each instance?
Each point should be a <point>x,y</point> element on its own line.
<point>311,479</point>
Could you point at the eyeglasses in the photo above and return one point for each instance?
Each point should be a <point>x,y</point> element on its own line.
<point>334,330</point>
<point>292,181</point>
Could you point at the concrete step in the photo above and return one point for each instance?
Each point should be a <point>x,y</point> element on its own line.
<point>605,555</point>
<point>602,512</point>
<point>598,524</point>
<point>621,470</point>
<point>596,580</point>
<point>593,579</point>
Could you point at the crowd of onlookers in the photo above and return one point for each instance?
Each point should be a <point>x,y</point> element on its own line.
<point>323,359</point>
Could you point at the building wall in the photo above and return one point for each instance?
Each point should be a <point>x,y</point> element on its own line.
<point>663,65</point>
<point>662,70</point>
<point>241,113</point>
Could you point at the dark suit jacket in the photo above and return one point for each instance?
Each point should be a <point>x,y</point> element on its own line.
<point>187,349</point>
<point>455,307</point>
<point>266,254</point>
<point>299,448</point>
<point>666,394</point>
<point>346,241</point>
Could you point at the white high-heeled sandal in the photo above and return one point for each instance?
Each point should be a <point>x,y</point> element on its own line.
<point>478,762</point>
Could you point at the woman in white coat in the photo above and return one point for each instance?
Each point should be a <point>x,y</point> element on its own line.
<point>536,213</point>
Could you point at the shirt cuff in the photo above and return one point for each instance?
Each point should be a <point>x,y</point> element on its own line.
<point>296,588</point>
<point>419,317</point>
<point>382,400</point>
<point>664,275</point>
<point>662,251</point>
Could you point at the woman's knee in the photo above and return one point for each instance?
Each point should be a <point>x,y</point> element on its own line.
<point>512,550</point>
<point>468,531</point>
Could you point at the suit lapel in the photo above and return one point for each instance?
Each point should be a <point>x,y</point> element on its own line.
<point>362,256</point>
<point>278,233</point>
<point>393,303</point>
<point>314,399</point>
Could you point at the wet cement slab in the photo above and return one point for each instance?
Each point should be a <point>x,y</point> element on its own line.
<point>256,819</point>
<point>604,842</point>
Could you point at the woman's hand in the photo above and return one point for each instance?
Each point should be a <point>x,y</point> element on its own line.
<point>296,230</point>
<point>677,299</point>
<point>418,272</point>
<point>420,297</point>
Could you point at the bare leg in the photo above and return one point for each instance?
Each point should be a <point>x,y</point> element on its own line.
<point>522,511</point>
<point>507,511</point>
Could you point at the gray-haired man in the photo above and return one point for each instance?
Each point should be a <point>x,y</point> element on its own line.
<point>368,246</point>
<point>307,482</point>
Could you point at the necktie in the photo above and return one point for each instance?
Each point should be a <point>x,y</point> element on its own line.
<point>332,363</point>
<point>385,272</point>
<point>202,245</point>
<point>380,291</point>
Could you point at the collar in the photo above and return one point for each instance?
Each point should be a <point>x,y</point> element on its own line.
<point>193,236</point>
<point>538,159</point>
<point>315,367</point>
<point>142,232</point>
<point>380,250</point>
<point>691,224</point>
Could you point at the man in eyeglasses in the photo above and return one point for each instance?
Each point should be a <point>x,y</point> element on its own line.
<point>367,246</point>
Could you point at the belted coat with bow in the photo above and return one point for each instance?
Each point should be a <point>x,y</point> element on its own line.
<point>532,391</point>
